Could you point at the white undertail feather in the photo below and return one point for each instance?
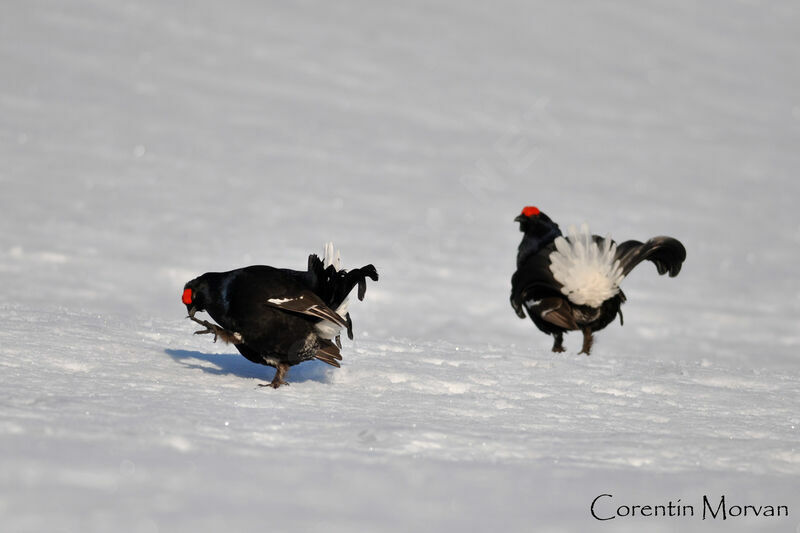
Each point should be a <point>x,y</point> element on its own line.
<point>331,256</point>
<point>588,272</point>
<point>325,328</point>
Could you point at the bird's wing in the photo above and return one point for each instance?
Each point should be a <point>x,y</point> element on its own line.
<point>307,303</point>
<point>329,354</point>
<point>555,310</point>
<point>666,253</point>
<point>533,279</point>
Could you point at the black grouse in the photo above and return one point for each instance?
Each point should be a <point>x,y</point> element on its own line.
<point>280,317</point>
<point>572,283</point>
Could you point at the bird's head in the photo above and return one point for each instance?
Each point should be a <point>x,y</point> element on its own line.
<point>195,295</point>
<point>534,222</point>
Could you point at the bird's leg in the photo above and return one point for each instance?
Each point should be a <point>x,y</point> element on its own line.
<point>208,325</point>
<point>225,335</point>
<point>277,381</point>
<point>558,344</point>
<point>587,341</point>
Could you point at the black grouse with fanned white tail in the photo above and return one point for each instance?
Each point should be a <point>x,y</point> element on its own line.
<point>280,317</point>
<point>572,283</point>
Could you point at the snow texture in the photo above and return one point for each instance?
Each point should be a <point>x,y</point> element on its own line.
<point>145,142</point>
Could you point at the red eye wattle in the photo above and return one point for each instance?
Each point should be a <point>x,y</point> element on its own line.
<point>530,211</point>
<point>187,296</point>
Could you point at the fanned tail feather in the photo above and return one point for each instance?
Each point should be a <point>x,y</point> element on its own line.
<point>331,257</point>
<point>335,284</point>
<point>586,267</point>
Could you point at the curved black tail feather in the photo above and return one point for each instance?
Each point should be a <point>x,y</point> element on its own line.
<point>333,285</point>
<point>666,253</point>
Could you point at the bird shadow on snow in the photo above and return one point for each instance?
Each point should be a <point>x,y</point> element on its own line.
<point>236,365</point>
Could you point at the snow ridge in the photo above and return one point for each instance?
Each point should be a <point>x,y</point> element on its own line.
<point>588,272</point>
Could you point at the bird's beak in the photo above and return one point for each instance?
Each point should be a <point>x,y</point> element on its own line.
<point>192,311</point>
<point>519,218</point>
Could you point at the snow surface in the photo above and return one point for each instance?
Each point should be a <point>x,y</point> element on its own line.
<point>144,143</point>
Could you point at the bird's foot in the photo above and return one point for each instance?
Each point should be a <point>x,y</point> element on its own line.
<point>588,340</point>
<point>558,344</point>
<point>274,383</point>
<point>218,332</point>
<point>205,331</point>
<point>277,381</point>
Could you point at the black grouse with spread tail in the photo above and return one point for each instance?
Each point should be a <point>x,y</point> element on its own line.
<point>572,283</point>
<point>280,317</point>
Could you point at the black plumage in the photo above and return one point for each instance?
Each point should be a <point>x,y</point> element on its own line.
<point>538,286</point>
<point>279,317</point>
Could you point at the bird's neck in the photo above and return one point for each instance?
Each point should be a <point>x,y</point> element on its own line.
<point>532,243</point>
